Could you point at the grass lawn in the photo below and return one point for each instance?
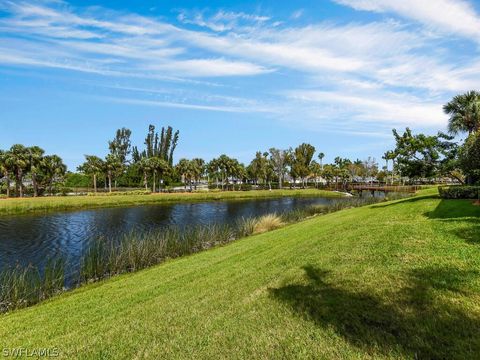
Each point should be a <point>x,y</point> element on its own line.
<point>392,280</point>
<point>25,205</point>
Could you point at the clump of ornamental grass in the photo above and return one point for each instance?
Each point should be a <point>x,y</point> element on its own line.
<point>245,226</point>
<point>267,223</point>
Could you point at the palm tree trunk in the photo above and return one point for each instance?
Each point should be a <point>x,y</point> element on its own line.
<point>154,180</point>
<point>35,185</point>
<point>17,185</point>
<point>393,171</point>
<point>145,180</point>
<point>8,184</point>
<point>109,182</point>
<point>95,183</point>
<point>20,182</point>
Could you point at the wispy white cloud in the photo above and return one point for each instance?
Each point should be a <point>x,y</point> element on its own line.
<point>366,76</point>
<point>297,14</point>
<point>450,16</point>
<point>189,106</point>
<point>132,45</point>
<point>222,20</point>
<point>372,107</point>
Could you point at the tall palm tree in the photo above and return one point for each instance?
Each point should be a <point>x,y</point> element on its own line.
<point>464,111</point>
<point>320,157</point>
<point>213,171</point>
<point>54,169</point>
<point>198,167</point>
<point>386,157</point>
<point>5,168</point>
<point>92,166</point>
<point>185,168</point>
<point>35,165</point>
<point>158,166</point>
<point>112,165</point>
<point>18,161</point>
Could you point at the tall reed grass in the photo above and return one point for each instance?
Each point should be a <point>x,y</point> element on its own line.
<point>22,286</point>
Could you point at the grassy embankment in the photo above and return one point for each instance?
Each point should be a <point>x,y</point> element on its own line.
<point>25,205</point>
<point>391,280</point>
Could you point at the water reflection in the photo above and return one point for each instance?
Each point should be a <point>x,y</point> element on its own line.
<point>32,239</point>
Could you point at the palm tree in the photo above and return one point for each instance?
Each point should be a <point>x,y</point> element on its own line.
<point>159,166</point>
<point>18,160</point>
<point>112,164</point>
<point>386,157</point>
<point>198,168</point>
<point>92,166</point>
<point>35,163</point>
<point>145,167</point>
<point>5,168</point>
<point>53,168</point>
<point>316,170</point>
<point>185,169</point>
<point>224,164</point>
<point>213,171</point>
<point>464,111</point>
<point>320,157</point>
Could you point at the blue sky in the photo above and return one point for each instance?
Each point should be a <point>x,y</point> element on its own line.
<point>233,76</point>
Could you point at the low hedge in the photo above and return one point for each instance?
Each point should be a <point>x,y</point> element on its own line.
<point>117,193</point>
<point>459,192</point>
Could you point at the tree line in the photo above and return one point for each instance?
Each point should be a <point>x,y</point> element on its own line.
<point>21,162</point>
<point>416,157</point>
<point>420,156</point>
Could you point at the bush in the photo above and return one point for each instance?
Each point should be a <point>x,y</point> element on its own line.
<point>117,193</point>
<point>267,223</point>
<point>459,192</point>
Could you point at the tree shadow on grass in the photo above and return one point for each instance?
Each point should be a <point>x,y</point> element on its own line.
<point>409,200</point>
<point>416,325</point>
<point>454,209</point>
<point>470,234</point>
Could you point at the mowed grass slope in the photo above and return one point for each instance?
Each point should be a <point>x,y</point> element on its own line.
<point>392,280</point>
<point>55,203</point>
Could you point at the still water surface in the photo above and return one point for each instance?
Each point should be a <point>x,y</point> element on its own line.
<point>32,239</point>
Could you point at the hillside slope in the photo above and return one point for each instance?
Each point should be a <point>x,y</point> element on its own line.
<point>392,280</point>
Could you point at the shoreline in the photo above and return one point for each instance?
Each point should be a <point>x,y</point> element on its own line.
<point>19,206</point>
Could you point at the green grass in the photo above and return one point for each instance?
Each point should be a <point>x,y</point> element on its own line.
<point>26,205</point>
<point>390,280</point>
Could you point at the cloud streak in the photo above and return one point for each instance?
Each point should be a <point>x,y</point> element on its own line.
<point>366,76</point>
<point>449,16</point>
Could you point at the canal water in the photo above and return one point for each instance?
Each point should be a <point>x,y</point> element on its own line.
<point>35,238</point>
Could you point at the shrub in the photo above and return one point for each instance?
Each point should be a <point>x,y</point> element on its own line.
<point>267,223</point>
<point>246,226</point>
<point>117,193</point>
<point>459,192</point>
